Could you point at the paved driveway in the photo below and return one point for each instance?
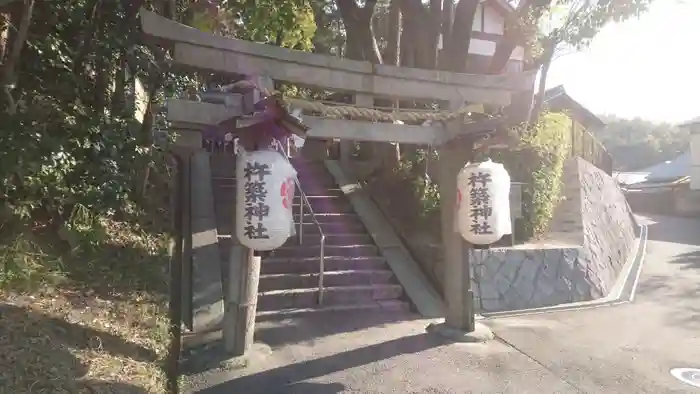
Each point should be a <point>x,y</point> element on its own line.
<point>622,349</point>
<point>628,348</point>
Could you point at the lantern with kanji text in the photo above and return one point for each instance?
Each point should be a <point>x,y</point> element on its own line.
<point>265,189</point>
<point>483,206</point>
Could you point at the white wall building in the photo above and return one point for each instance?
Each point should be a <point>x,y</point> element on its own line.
<point>693,128</point>
<point>487,30</point>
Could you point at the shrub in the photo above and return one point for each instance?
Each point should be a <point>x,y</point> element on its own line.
<point>538,162</point>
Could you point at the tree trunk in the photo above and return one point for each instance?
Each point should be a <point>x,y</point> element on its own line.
<point>156,81</point>
<point>407,44</point>
<point>433,33</point>
<point>9,70</point>
<point>360,41</point>
<point>461,35</point>
<point>547,56</point>
<point>419,42</point>
<point>448,14</point>
<point>118,100</point>
<point>393,52</point>
<point>527,13</point>
<point>4,32</point>
<point>85,43</point>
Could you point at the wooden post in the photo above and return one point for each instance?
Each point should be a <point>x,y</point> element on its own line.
<point>187,293</point>
<point>345,154</point>
<point>457,282</point>
<point>459,322</point>
<point>242,285</point>
<point>234,283</point>
<point>175,285</point>
<point>365,101</point>
<point>239,330</point>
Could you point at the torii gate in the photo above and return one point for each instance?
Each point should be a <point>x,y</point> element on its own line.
<point>192,48</point>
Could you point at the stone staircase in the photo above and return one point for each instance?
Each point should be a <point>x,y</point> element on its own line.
<point>356,276</point>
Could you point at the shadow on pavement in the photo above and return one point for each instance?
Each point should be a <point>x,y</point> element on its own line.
<point>302,329</point>
<point>679,292</point>
<point>690,260</point>
<point>35,356</point>
<point>278,380</point>
<point>313,388</point>
<point>290,331</point>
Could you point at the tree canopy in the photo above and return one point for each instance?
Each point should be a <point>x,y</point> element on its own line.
<point>70,68</point>
<point>636,143</point>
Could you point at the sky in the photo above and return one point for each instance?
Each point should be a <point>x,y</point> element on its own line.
<point>647,67</point>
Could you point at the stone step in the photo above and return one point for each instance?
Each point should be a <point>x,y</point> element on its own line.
<point>225,226</point>
<point>314,173</point>
<point>314,239</point>
<point>325,206</point>
<point>330,279</point>
<point>337,227</point>
<point>309,265</point>
<point>331,239</point>
<point>390,306</point>
<point>360,250</point>
<point>340,295</point>
<point>329,217</point>
<point>314,183</point>
<point>346,218</point>
<point>330,194</point>
<point>226,205</point>
<point>311,191</point>
<point>313,179</point>
<point>304,259</point>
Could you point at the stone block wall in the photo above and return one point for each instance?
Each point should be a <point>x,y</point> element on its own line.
<point>590,239</point>
<point>686,202</point>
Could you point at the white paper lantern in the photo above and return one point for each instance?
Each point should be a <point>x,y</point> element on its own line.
<point>483,202</point>
<point>265,190</point>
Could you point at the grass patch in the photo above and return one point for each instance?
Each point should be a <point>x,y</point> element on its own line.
<point>83,308</point>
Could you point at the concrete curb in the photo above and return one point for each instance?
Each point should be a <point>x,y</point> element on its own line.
<point>622,292</point>
<point>416,285</point>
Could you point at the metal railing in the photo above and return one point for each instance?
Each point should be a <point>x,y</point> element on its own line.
<point>303,199</point>
<point>587,147</point>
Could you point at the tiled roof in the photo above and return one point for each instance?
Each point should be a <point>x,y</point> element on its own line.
<point>692,121</point>
<point>556,98</point>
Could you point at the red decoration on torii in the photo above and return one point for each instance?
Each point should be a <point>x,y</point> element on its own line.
<point>267,120</point>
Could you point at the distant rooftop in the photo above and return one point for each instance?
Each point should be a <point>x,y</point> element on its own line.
<point>666,171</point>
<point>690,122</point>
<point>558,99</point>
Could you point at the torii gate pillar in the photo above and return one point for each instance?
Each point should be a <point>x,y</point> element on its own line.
<point>459,317</point>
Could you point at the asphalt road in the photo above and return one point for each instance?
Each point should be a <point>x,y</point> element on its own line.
<point>627,348</point>
<point>620,349</point>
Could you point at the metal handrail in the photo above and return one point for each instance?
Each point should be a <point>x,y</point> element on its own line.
<point>304,200</point>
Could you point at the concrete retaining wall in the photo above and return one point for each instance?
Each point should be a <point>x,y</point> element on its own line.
<point>591,238</point>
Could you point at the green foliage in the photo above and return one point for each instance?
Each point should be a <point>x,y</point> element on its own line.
<point>538,162</point>
<point>59,157</point>
<point>71,141</point>
<point>288,24</point>
<point>575,23</point>
<point>543,191</point>
<point>88,252</point>
<point>411,169</point>
<point>635,143</point>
